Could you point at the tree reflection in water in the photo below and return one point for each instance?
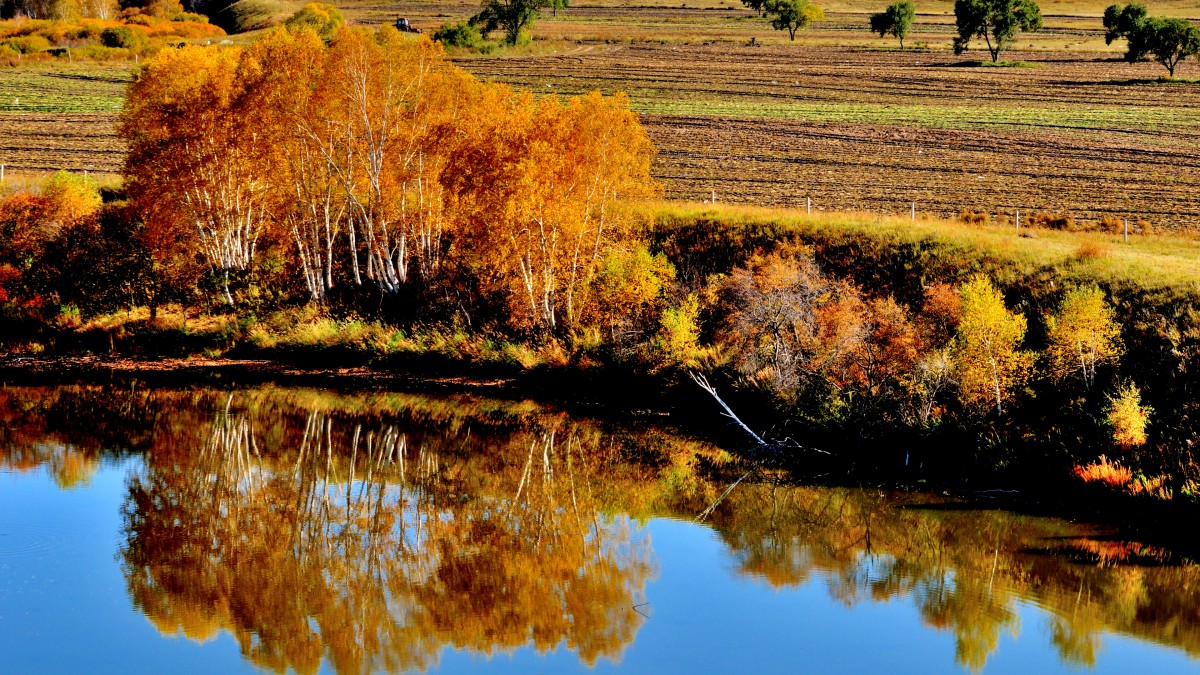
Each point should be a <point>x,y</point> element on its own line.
<point>373,531</point>
<point>373,546</point>
<point>965,569</point>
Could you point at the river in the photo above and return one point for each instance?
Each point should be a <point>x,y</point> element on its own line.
<point>280,529</point>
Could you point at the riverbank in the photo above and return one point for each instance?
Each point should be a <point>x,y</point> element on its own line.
<point>680,409</point>
<point>889,295</point>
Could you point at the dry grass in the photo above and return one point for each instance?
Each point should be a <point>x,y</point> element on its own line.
<point>1157,261</point>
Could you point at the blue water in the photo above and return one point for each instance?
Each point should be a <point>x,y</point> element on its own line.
<point>64,608</point>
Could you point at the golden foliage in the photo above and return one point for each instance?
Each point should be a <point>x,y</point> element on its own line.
<point>678,338</point>
<point>1128,417</point>
<point>1082,334</point>
<point>70,197</point>
<point>385,164</point>
<point>989,364</point>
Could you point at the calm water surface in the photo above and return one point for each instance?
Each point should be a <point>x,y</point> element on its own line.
<point>296,530</point>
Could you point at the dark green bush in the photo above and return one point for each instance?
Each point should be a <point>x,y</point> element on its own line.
<point>461,34</point>
<point>122,37</point>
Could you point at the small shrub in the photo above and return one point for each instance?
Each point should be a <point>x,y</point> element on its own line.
<point>122,37</point>
<point>324,20</point>
<point>1128,417</point>
<point>189,17</point>
<point>1111,474</point>
<point>678,339</point>
<point>140,20</point>
<point>1090,250</point>
<point>71,196</point>
<point>1053,222</point>
<point>28,44</point>
<point>974,217</point>
<point>461,34</point>
<point>248,15</point>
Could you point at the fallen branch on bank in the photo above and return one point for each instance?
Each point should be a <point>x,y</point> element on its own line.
<point>763,451</point>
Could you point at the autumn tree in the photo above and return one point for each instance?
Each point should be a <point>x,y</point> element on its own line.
<point>896,20</point>
<point>1082,334</point>
<point>1127,417</point>
<point>773,327</point>
<point>934,372</point>
<point>627,290</point>
<point>542,206</point>
<point>286,68</point>
<point>70,197</point>
<point>193,158</point>
<point>325,20</point>
<point>389,98</point>
<point>996,21</point>
<point>989,363</point>
<point>789,15</point>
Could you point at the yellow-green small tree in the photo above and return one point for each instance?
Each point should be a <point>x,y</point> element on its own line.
<point>678,339</point>
<point>626,292</point>
<point>989,363</point>
<point>1128,417</point>
<point>1082,334</point>
<point>70,197</point>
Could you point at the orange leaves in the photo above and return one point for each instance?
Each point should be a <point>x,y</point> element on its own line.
<point>1111,474</point>
<point>379,159</point>
<point>796,327</point>
<point>546,212</point>
<point>23,224</point>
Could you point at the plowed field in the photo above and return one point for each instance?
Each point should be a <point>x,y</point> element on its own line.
<point>876,130</point>
<point>61,117</point>
<point>851,127</point>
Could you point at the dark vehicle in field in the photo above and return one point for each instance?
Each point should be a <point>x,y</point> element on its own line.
<point>404,26</point>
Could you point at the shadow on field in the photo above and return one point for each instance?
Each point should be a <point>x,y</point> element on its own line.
<point>1125,83</point>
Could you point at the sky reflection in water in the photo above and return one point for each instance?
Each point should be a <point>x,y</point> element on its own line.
<point>151,531</point>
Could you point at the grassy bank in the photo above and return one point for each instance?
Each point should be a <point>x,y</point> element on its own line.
<point>1049,426</point>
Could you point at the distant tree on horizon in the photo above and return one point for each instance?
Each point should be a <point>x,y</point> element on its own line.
<point>1168,41</point>
<point>1120,21</point>
<point>897,20</point>
<point>996,21</point>
<point>789,15</point>
<point>511,16</point>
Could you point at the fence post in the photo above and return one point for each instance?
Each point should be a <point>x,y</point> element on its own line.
<point>1,173</point>
<point>1126,230</point>
<point>1018,221</point>
<point>913,216</point>
<point>809,200</point>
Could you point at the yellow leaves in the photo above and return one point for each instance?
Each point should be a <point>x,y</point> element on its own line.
<point>70,197</point>
<point>627,286</point>
<point>1128,417</point>
<point>989,363</point>
<point>324,20</point>
<point>1082,334</point>
<point>678,339</point>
